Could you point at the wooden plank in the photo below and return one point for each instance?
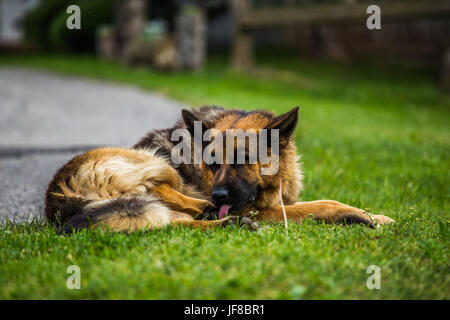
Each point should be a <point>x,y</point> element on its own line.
<point>242,50</point>
<point>445,70</point>
<point>344,12</point>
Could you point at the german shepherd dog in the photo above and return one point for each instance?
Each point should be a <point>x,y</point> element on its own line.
<point>141,188</point>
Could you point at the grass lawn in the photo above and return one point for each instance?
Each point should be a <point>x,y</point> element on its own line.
<point>371,137</point>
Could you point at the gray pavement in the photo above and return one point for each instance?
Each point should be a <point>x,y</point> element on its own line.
<point>46,119</point>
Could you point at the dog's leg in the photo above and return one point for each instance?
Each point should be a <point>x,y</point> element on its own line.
<point>179,218</point>
<point>180,202</point>
<point>327,210</point>
<point>378,218</point>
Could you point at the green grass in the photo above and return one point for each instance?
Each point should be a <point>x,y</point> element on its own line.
<point>371,137</point>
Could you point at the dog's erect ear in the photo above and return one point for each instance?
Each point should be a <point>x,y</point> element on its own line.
<point>286,123</point>
<point>189,118</point>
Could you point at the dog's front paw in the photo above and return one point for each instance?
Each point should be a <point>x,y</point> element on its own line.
<point>201,209</point>
<point>380,219</point>
<point>240,221</point>
<point>209,213</point>
<point>205,205</point>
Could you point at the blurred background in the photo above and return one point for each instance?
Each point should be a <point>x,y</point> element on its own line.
<point>180,34</point>
<point>367,96</point>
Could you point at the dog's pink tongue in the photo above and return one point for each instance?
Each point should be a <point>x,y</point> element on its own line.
<point>223,211</point>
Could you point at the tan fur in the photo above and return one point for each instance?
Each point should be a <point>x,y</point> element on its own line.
<point>103,174</point>
<point>112,172</point>
<point>137,189</point>
<point>155,215</point>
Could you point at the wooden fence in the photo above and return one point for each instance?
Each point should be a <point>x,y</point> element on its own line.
<point>247,18</point>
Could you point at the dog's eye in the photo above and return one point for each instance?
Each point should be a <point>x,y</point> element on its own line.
<point>237,165</point>
<point>214,166</point>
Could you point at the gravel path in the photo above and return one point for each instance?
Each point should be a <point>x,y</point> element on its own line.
<point>46,119</point>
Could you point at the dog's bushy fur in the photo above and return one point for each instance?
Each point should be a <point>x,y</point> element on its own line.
<point>140,188</point>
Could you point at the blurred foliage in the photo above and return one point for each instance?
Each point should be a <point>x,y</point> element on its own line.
<point>45,26</point>
<point>262,3</point>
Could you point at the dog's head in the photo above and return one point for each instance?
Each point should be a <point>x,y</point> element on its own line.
<point>236,179</point>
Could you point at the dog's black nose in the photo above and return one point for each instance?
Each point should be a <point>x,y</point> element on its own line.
<point>220,194</point>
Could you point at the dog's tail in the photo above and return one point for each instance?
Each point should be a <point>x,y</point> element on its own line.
<point>126,214</point>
